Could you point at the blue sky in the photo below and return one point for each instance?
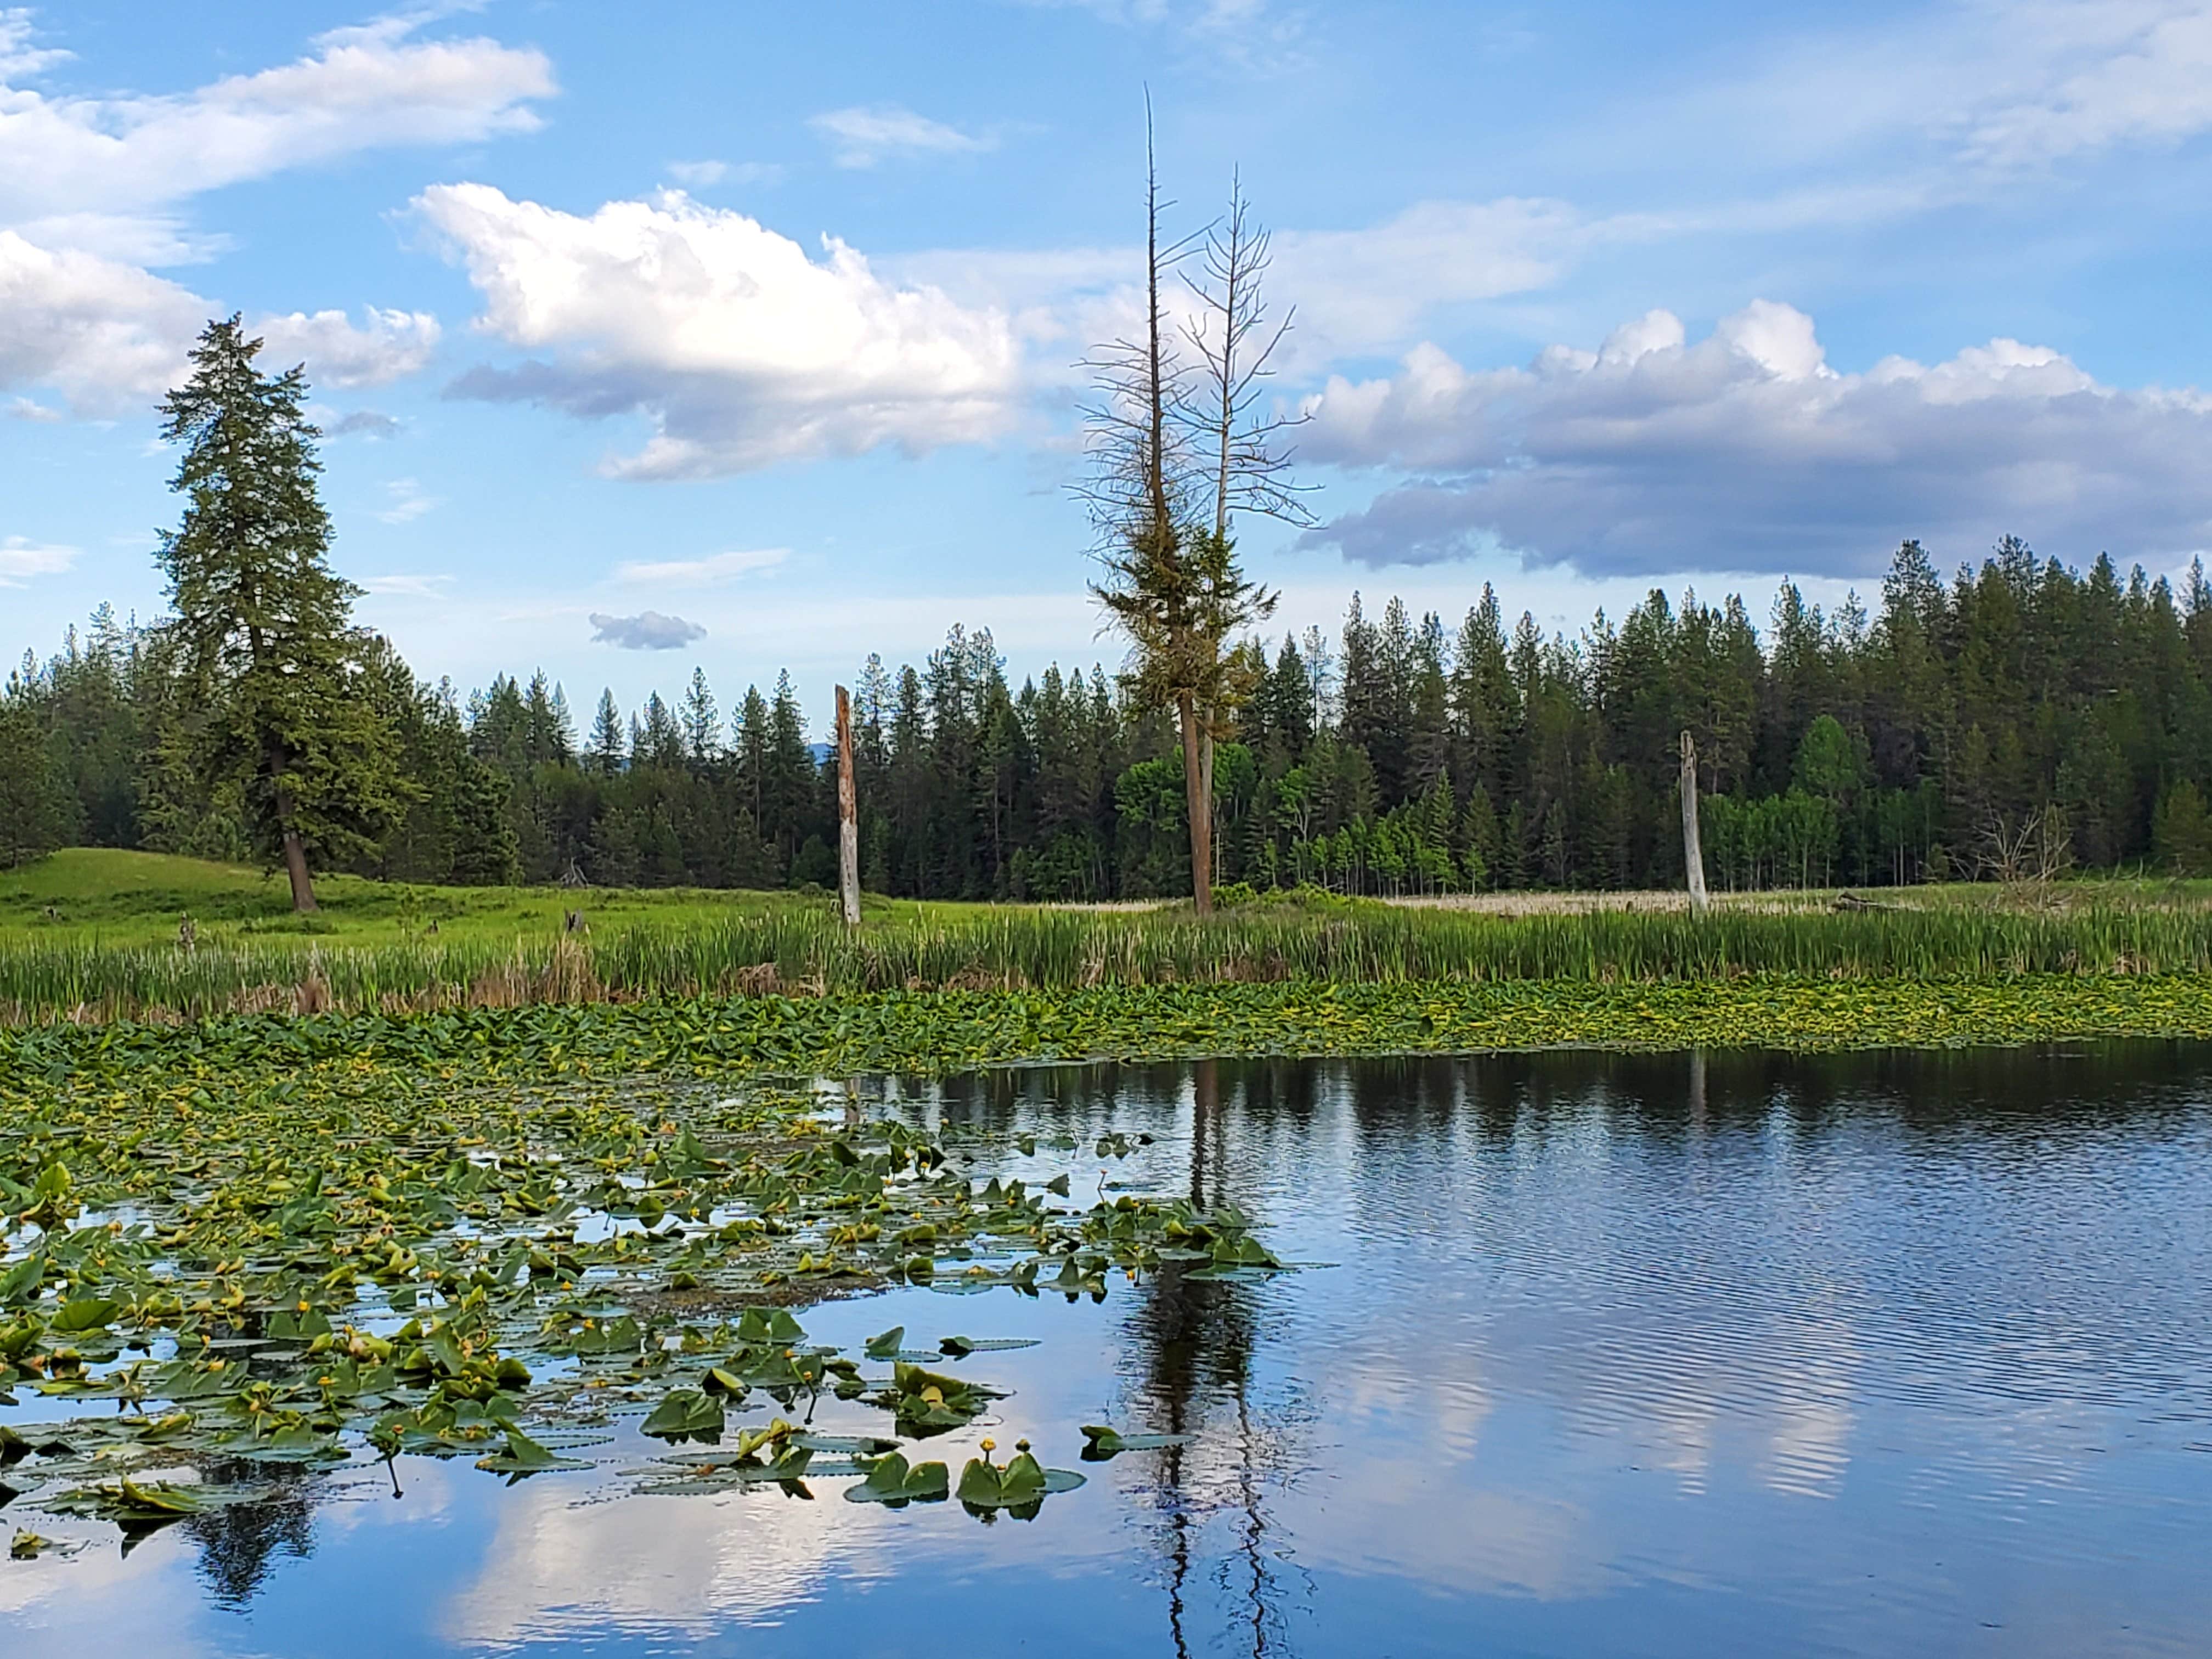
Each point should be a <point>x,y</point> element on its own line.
<point>748,329</point>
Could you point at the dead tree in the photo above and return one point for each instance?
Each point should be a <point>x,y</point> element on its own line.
<point>1237,435</point>
<point>1170,580</point>
<point>1693,857</point>
<point>848,816</point>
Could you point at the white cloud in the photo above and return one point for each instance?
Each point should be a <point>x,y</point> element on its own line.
<point>359,89</point>
<point>1260,35</point>
<point>408,587</point>
<point>702,175</point>
<point>406,500</point>
<point>700,573</point>
<point>1990,86</point>
<point>107,335</point>
<point>21,559</point>
<point>865,135</point>
<point>393,344</point>
<point>18,57</point>
<point>1358,290</point>
<point>2110,72</point>
<point>648,630</point>
<point>1746,451</point>
<point>89,197</point>
<point>739,349</point>
<point>111,336</point>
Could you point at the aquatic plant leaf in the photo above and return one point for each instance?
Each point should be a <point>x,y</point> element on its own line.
<point>1101,1442</point>
<point>683,1414</point>
<point>893,1480</point>
<point>959,1347</point>
<point>884,1344</point>
<point>85,1314</point>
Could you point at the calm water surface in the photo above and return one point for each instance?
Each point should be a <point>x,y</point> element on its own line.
<point>1889,1354</point>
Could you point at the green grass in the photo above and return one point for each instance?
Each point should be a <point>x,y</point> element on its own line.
<point>111,951</point>
<point>86,895</point>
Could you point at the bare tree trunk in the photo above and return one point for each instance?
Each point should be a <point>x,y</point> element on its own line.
<point>1693,857</point>
<point>1201,809</point>
<point>1206,787</point>
<point>296,850</point>
<point>848,815</point>
<point>296,859</point>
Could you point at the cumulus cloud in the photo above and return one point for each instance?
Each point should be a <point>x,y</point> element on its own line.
<point>19,559</point>
<point>104,335</point>
<point>1747,450</point>
<point>90,197</point>
<point>109,336</point>
<point>865,135</point>
<point>702,572</point>
<point>648,630</point>
<point>739,348</point>
<point>392,345</point>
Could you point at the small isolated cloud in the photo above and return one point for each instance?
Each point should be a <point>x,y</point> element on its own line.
<point>704,175</point>
<point>21,559</point>
<point>407,501</point>
<point>29,408</point>
<point>1250,34</point>
<point>418,587</point>
<point>392,345</point>
<point>865,135</point>
<point>740,350</point>
<point>702,572</point>
<point>648,630</point>
<point>1745,450</point>
<point>362,423</point>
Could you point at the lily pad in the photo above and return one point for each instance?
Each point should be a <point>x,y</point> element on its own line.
<point>893,1481</point>
<point>1020,1485</point>
<point>1102,1443</point>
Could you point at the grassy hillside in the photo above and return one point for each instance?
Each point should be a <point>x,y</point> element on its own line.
<point>84,895</point>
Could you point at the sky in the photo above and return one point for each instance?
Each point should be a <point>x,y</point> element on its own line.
<point>745,337</point>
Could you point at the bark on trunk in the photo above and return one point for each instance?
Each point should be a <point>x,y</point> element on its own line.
<point>295,859</point>
<point>848,816</point>
<point>1201,809</point>
<point>1693,857</point>
<point>1206,787</point>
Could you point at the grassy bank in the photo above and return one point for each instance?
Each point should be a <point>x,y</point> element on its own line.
<point>381,950</point>
<point>806,952</point>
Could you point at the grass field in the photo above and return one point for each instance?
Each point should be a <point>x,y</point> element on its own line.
<point>92,936</point>
<point>87,895</point>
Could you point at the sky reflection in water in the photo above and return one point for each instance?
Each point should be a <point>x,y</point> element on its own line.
<point>1652,1355</point>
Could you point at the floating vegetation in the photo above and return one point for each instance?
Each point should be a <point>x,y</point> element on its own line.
<point>317,1256</point>
<point>1102,1443</point>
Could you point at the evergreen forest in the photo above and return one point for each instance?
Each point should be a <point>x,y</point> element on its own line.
<point>2020,718</point>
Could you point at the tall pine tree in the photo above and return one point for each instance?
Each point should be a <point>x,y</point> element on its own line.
<point>263,627</point>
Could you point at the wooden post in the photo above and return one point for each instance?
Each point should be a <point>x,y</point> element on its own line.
<point>1693,857</point>
<point>848,815</point>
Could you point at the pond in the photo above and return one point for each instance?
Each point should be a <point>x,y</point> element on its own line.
<point>1594,1354</point>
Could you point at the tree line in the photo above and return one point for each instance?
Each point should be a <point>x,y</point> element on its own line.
<point>2017,719</point>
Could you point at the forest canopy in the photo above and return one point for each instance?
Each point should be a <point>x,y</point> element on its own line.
<point>2020,718</point>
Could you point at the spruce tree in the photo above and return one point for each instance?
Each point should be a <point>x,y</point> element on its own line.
<point>263,627</point>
